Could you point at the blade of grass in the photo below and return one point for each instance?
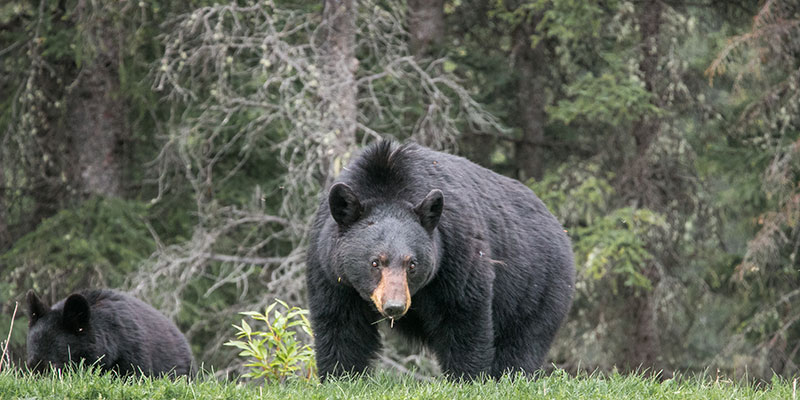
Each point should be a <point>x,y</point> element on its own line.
<point>10,329</point>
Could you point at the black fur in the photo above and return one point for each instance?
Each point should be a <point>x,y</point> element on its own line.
<point>117,331</point>
<point>493,271</point>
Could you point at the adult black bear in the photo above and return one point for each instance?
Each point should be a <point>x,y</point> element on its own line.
<point>117,331</point>
<point>472,261</point>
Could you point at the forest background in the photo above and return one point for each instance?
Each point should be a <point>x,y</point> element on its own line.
<point>177,150</point>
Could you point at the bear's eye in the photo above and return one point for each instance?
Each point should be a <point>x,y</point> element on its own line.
<point>412,265</point>
<point>375,264</point>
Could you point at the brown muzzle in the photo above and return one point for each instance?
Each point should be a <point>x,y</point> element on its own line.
<point>392,297</point>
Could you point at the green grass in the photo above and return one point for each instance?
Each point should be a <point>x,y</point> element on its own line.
<point>92,385</point>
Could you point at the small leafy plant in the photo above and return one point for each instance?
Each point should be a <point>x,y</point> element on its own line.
<point>277,354</point>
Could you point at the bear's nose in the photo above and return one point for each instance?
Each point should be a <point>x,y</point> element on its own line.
<point>394,308</point>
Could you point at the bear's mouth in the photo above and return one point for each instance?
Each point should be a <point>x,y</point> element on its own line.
<point>391,296</point>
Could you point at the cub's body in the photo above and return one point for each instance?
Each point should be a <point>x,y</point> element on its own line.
<point>117,331</point>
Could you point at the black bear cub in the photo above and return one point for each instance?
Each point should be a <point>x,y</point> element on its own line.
<point>468,262</point>
<point>113,329</point>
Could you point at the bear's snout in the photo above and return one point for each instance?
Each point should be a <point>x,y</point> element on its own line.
<point>392,297</point>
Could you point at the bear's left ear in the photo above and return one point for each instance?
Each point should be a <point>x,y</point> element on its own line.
<point>36,308</point>
<point>430,209</point>
<point>344,204</point>
<point>76,313</point>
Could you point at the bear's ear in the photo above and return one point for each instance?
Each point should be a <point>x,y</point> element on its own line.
<point>76,313</point>
<point>36,308</point>
<point>344,204</point>
<point>430,209</point>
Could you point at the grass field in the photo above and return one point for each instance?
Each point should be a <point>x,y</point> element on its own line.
<point>559,385</point>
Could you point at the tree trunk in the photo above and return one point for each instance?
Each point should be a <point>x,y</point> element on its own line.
<point>96,119</point>
<point>642,346</point>
<point>649,18</point>
<point>72,151</point>
<point>530,63</point>
<point>338,90</point>
<point>426,33</point>
<point>5,233</point>
<point>425,26</point>
<point>645,346</point>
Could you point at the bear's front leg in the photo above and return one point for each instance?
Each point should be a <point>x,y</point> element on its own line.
<point>463,341</point>
<point>346,337</point>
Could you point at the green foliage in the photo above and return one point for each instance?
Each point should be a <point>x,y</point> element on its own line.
<point>610,98</point>
<point>614,248</point>
<point>595,48</point>
<point>610,244</point>
<point>574,20</point>
<point>615,245</point>
<point>13,9</point>
<point>576,194</point>
<point>100,241</point>
<point>277,354</point>
<point>760,61</point>
<point>568,20</point>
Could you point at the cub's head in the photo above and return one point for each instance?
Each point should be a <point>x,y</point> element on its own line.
<point>60,334</point>
<point>386,250</point>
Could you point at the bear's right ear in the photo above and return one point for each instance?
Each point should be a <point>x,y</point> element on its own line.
<point>76,313</point>
<point>36,308</point>
<point>430,209</point>
<point>344,204</point>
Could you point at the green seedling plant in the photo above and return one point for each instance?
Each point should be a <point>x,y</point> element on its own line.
<point>275,353</point>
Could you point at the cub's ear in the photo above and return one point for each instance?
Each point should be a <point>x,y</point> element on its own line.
<point>344,204</point>
<point>36,308</point>
<point>76,313</point>
<point>430,209</point>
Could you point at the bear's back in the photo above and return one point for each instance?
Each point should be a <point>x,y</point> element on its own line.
<point>139,334</point>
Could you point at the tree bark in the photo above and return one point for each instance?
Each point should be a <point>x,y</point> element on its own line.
<point>96,119</point>
<point>645,348</point>
<point>643,345</point>
<point>5,234</point>
<point>425,26</point>
<point>426,33</point>
<point>530,63</point>
<point>649,17</point>
<point>338,89</point>
<point>74,150</point>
